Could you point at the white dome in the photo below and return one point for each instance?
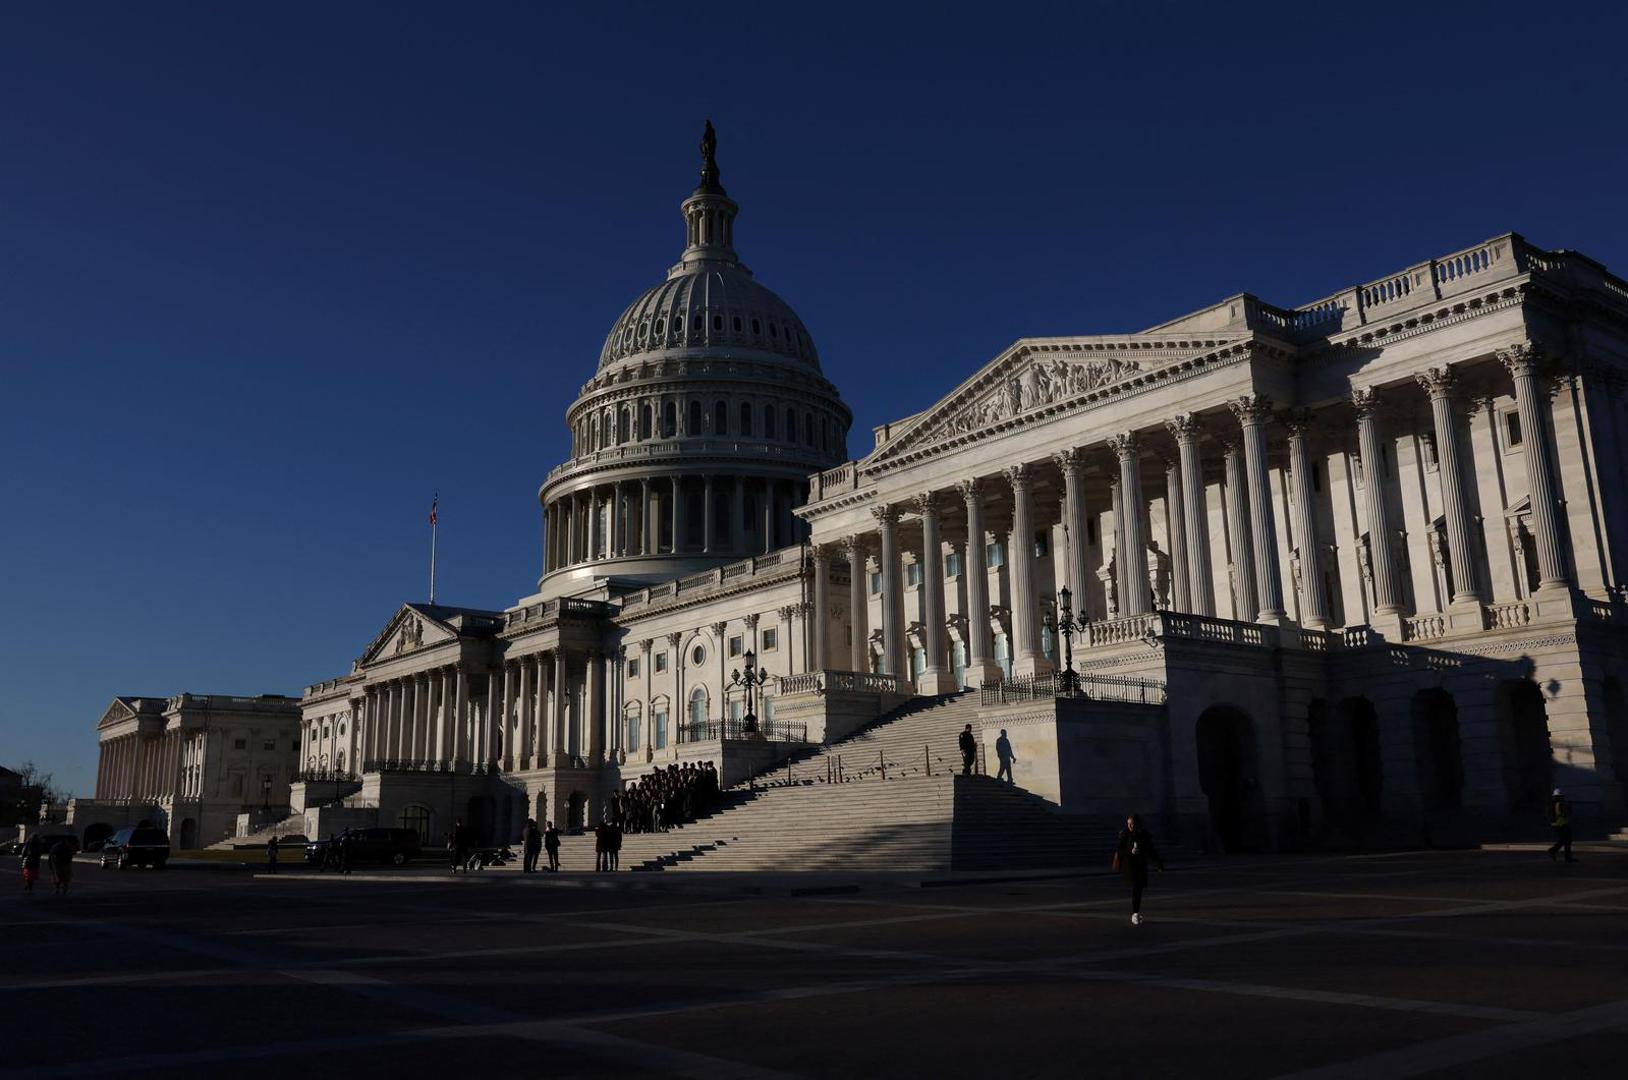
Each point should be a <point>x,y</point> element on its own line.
<point>711,305</point>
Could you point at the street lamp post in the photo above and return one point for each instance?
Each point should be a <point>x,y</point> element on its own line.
<point>265,793</point>
<point>1067,625</point>
<point>752,678</point>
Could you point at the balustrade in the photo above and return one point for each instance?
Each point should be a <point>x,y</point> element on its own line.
<point>1424,627</point>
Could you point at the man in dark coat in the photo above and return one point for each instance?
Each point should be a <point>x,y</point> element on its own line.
<point>551,844</point>
<point>532,842</point>
<point>271,855</point>
<point>969,750</point>
<point>1132,854</point>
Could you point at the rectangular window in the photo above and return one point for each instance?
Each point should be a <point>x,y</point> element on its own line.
<point>661,661</point>
<point>876,583</point>
<point>658,728</point>
<point>912,574</point>
<point>240,744</point>
<point>633,733</point>
<point>269,744</point>
<point>633,667</point>
<point>737,645</point>
<point>995,554</point>
<point>771,639</point>
<point>1042,544</point>
<point>952,564</point>
<point>1512,431</point>
<point>737,708</point>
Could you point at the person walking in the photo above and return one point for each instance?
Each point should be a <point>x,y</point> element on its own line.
<point>1132,854</point>
<point>615,847</point>
<point>347,851</point>
<point>601,846</point>
<point>532,845</point>
<point>1003,751</point>
<point>61,859</point>
<point>1560,822</point>
<point>458,845</point>
<point>969,750</point>
<point>271,855</point>
<point>31,863</point>
<point>551,844</point>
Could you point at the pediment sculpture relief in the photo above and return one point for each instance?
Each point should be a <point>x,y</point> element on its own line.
<point>1042,382</point>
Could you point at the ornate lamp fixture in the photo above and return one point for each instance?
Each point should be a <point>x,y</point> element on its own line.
<point>751,679</point>
<point>1067,625</point>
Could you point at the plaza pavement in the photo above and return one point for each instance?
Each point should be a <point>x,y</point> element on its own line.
<point>1453,964</point>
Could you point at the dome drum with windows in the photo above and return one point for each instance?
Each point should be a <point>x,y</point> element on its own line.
<point>698,432</point>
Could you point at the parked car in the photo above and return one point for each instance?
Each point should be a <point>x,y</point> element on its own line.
<point>136,847</point>
<point>392,846</point>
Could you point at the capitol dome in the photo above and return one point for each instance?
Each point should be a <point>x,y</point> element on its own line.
<point>697,434</point>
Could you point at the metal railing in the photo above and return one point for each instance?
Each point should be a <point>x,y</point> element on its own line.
<point>771,730</point>
<point>1057,684</point>
<point>320,776</point>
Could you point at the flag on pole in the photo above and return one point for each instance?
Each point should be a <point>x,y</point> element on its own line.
<point>433,503</point>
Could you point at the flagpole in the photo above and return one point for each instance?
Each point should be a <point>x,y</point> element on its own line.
<point>432,563</point>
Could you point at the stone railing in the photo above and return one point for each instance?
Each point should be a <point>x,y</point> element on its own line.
<point>778,561</point>
<point>1124,631</point>
<point>1078,684</point>
<point>856,682</point>
<point>833,482</point>
<point>1209,628</point>
<point>1356,637</point>
<point>1599,610</point>
<point>1424,627</point>
<point>554,609</point>
<point>1508,616</point>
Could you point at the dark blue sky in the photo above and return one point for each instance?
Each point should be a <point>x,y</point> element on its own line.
<point>271,274</point>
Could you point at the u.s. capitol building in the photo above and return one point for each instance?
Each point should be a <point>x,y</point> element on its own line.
<point>1347,569</point>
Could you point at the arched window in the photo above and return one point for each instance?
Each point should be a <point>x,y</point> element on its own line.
<point>623,433</point>
<point>746,418</point>
<point>791,424</point>
<point>698,705</point>
<point>694,427</point>
<point>593,434</point>
<point>768,421</point>
<point>645,415</point>
<point>632,718</point>
<point>416,818</point>
<point>808,429</point>
<point>720,418</point>
<point>669,420</point>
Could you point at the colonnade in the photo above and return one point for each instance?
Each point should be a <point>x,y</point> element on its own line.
<point>1254,542</point>
<point>140,766</point>
<point>663,515</point>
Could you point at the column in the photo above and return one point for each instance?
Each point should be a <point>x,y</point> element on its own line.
<point>1522,364</point>
<point>1027,656</point>
<point>709,517</point>
<point>594,719</point>
<point>1253,411</point>
<point>1175,514</point>
<point>887,521</point>
<point>1243,555</point>
<point>737,520</point>
<point>1468,594</point>
<point>460,711</point>
<point>768,516</point>
<point>647,518</point>
<point>858,605</point>
<point>561,693</point>
<point>593,525</point>
<point>677,510</point>
<point>821,557</point>
<point>1201,585</point>
<point>1079,570</point>
<point>1137,595</point>
<point>1381,556</point>
<point>936,675</point>
<point>981,668</point>
<point>1116,505</point>
<point>1313,600</point>
<point>527,717</point>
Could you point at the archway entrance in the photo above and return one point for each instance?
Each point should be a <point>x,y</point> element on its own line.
<point>1616,729</point>
<point>479,819</point>
<point>1346,759</point>
<point>1226,770</point>
<point>189,833</point>
<point>576,811</point>
<point>1528,757</point>
<point>1436,749</point>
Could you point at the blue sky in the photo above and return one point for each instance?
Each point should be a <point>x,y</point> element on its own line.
<point>272,274</point>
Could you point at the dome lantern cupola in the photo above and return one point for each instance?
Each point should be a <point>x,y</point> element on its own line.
<point>709,214</point>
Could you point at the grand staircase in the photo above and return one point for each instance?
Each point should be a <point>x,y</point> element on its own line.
<point>887,797</point>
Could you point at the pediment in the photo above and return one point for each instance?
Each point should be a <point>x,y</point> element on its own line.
<point>1035,377</point>
<point>116,714</point>
<point>408,631</point>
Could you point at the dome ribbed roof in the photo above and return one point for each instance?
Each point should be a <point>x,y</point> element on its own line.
<point>709,305</point>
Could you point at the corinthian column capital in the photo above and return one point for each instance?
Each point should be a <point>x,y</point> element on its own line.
<point>923,504</point>
<point>1438,382</point>
<point>1251,408</point>
<point>1184,427</point>
<point>886,515</point>
<point>1067,460</point>
<point>1365,400</point>
<point>1521,359</point>
<point>1018,476</point>
<point>1124,445</point>
<point>1298,421</point>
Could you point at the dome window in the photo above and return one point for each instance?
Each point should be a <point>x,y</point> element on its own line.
<point>757,328</point>
<point>717,322</point>
<point>678,324</point>
<point>644,331</point>
<point>737,324</point>
<point>661,326</point>
<point>772,332</point>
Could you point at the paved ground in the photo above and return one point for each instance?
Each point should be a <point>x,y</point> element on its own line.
<point>1472,964</point>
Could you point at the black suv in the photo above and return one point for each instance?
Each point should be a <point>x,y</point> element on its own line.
<point>136,847</point>
<point>393,846</point>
